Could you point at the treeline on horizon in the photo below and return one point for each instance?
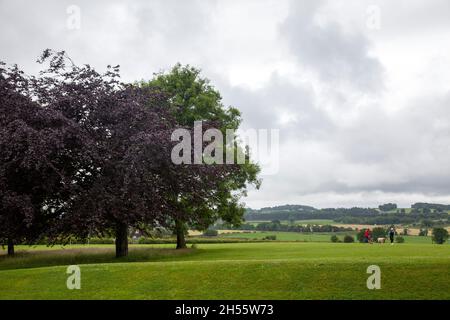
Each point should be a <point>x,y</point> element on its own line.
<point>419,212</point>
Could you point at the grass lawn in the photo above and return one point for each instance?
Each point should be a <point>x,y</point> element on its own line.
<point>286,236</point>
<point>277,270</point>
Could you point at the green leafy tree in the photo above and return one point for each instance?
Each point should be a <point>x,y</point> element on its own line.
<point>387,207</point>
<point>378,232</point>
<point>193,98</point>
<point>440,235</point>
<point>427,223</point>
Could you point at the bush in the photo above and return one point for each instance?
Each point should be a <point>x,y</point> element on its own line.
<point>348,239</point>
<point>360,235</point>
<point>274,237</point>
<point>211,233</point>
<point>378,232</point>
<point>440,235</point>
<point>399,239</point>
<point>334,238</point>
<point>194,246</point>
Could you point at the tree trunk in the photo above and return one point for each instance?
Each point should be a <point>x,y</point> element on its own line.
<point>121,240</point>
<point>10,247</point>
<point>180,229</point>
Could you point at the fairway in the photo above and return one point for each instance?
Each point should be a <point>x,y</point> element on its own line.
<point>278,270</point>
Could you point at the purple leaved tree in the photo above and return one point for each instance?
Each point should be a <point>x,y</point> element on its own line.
<point>39,154</point>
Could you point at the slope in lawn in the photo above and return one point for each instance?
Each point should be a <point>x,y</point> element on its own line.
<point>250,271</point>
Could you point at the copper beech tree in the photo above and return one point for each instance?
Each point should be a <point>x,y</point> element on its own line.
<point>39,154</point>
<point>84,154</point>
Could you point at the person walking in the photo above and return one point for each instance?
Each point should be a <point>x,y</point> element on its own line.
<point>367,236</point>
<point>391,235</point>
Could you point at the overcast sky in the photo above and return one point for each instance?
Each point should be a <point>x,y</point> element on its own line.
<point>358,89</point>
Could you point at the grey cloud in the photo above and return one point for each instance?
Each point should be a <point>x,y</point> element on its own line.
<point>375,153</point>
<point>325,48</point>
<point>263,108</point>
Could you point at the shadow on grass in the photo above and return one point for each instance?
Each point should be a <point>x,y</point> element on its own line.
<point>45,258</point>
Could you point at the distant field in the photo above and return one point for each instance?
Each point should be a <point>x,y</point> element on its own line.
<point>312,221</point>
<point>286,236</point>
<point>274,270</point>
<point>310,237</point>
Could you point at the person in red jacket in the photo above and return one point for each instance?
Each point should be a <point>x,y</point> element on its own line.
<point>367,237</point>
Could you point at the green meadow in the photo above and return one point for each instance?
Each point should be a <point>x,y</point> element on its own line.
<point>308,237</point>
<point>266,270</point>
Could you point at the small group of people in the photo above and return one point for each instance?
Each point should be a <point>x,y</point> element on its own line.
<point>368,235</point>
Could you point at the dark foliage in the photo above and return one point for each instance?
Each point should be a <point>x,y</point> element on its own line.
<point>440,235</point>
<point>86,155</point>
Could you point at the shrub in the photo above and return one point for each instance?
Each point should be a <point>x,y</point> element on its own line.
<point>378,232</point>
<point>440,235</point>
<point>211,233</point>
<point>348,238</point>
<point>360,235</point>
<point>334,238</point>
<point>101,241</point>
<point>399,239</point>
<point>273,237</point>
<point>194,246</point>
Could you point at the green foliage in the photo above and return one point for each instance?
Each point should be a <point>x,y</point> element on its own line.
<point>427,223</point>
<point>423,232</point>
<point>101,241</point>
<point>349,239</point>
<point>399,239</point>
<point>387,207</point>
<point>378,232</point>
<point>440,235</point>
<point>211,233</point>
<point>354,215</point>
<point>334,238</point>
<point>192,99</point>
<point>360,235</point>
<point>271,237</point>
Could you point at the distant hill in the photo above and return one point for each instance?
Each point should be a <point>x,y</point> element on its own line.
<point>431,206</point>
<point>355,215</point>
<point>284,208</point>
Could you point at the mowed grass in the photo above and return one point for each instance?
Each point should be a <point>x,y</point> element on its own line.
<point>285,236</point>
<point>231,271</point>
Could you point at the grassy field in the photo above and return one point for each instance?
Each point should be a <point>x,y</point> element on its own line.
<point>309,237</point>
<point>278,270</point>
<point>285,236</point>
<point>305,222</point>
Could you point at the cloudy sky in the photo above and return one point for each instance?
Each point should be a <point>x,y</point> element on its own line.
<point>359,90</point>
